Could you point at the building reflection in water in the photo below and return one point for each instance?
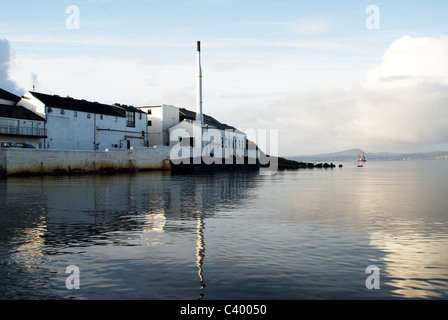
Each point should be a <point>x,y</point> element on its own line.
<point>395,223</point>
<point>85,211</point>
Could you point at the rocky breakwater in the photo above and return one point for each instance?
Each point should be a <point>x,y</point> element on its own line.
<point>286,164</point>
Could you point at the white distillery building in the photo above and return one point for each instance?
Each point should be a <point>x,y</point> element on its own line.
<point>207,138</point>
<point>170,126</point>
<point>202,134</point>
<point>18,124</point>
<point>73,124</point>
<point>160,120</point>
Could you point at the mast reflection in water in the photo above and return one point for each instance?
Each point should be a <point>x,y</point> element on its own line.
<point>307,234</point>
<point>105,225</point>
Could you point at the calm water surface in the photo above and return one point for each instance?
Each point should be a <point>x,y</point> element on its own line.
<point>307,234</point>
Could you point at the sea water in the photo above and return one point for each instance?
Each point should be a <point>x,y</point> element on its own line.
<point>302,234</point>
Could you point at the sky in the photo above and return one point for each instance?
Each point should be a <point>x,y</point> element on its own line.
<point>326,76</point>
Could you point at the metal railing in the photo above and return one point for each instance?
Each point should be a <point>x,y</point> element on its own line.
<point>23,131</point>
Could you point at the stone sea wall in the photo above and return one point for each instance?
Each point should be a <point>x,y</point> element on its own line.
<point>47,162</point>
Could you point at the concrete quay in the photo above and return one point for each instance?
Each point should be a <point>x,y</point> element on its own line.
<point>15,162</point>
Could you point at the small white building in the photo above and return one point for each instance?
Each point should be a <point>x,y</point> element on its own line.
<point>74,124</point>
<point>216,138</point>
<point>170,126</point>
<point>160,120</point>
<point>195,134</point>
<point>18,124</point>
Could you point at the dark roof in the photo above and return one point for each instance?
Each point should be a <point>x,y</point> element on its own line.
<point>69,103</point>
<point>18,112</point>
<point>191,115</point>
<point>128,108</point>
<point>5,95</point>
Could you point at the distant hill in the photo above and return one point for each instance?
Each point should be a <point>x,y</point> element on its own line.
<point>347,155</point>
<point>352,155</point>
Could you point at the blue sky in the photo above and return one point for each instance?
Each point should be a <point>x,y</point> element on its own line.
<point>297,66</point>
<point>183,22</point>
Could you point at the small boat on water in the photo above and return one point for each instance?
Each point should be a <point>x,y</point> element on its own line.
<point>363,158</point>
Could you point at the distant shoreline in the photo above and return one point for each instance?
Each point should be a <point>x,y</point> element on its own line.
<point>352,155</point>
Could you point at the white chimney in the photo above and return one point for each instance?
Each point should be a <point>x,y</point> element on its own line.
<point>199,115</point>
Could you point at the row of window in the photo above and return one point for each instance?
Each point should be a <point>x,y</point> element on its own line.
<point>16,123</point>
<point>190,142</point>
<point>13,127</point>
<point>75,114</point>
<point>9,123</point>
<point>130,117</point>
<point>237,144</point>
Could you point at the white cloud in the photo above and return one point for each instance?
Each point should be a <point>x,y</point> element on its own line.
<point>236,72</point>
<point>105,80</point>
<point>310,98</point>
<point>414,57</point>
<point>303,26</point>
<point>402,107</point>
<point>309,26</point>
<point>5,64</point>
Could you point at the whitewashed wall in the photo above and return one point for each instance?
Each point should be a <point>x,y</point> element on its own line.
<point>221,143</point>
<point>75,130</point>
<point>162,118</point>
<point>29,161</point>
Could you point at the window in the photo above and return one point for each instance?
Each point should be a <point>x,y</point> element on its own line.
<point>75,114</point>
<point>130,119</point>
<point>88,116</point>
<point>149,123</point>
<point>34,128</point>
<point>9,126</point>
<point>62,111</point>
<point>10,123</point>
<point>149,111</point>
